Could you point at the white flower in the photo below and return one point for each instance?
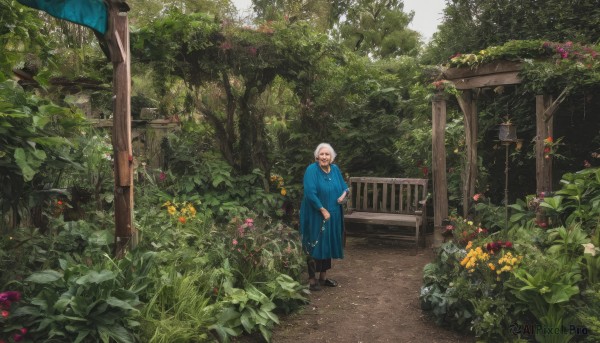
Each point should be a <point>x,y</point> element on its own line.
<point>589,248</point>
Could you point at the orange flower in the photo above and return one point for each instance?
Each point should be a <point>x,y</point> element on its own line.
<point>548,140</point>
<point>182,220</point>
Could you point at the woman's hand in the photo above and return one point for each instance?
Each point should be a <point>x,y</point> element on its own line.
<point>342,197</point>
<point>325,213</point>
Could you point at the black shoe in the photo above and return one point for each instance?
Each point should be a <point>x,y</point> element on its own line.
<point>314,287</point>
<point>328,283</point>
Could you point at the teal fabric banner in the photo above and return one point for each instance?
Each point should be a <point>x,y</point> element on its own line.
<point>90,13</point>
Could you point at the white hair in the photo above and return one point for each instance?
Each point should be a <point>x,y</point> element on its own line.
<point>328,146</point>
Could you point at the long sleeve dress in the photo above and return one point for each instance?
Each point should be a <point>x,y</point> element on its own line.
<point>322,190</point>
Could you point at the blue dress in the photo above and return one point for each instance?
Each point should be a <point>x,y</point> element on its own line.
<point>322,190</point>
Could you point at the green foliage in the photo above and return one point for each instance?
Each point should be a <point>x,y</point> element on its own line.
<point>79,303</point>
<point>33,144</point>
<point>589,314</point>
<point>472,25</point>
<point>197,173</point>
<point>378,29</point>
<point>443,292</point>
<point>181,308</point>
<point>547,280</point>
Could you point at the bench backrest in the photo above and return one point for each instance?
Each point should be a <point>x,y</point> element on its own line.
<point>387,195</point>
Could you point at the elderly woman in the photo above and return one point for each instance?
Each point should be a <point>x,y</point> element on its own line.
<point>321,215</point>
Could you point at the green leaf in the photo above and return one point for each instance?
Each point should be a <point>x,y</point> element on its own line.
<point>116,332</point>
<point>266,333</point>
<point>46,276</point>
<point>95,277</point>
<point>21,160</point>
<point>247,321</point>
<point>114,302</point>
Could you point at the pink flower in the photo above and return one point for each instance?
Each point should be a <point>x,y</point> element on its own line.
<point>8,297</point>
<point>249,222</point>
<point>508,245</point>
<point>477,196</point>
<point>23,330</point>
<point>5,314</point>
<point>162,176</point>
<point>17,337</point>
<point>234,242</point>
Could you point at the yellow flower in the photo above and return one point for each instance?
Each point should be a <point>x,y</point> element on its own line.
<point>469,245</point>
<point>283,192</point>
<point>171,209</point>
<point>470,222</point>
<point>192,210</point>
<point>168,203</point>
<point>492,266</point>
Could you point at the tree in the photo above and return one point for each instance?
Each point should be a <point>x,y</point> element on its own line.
<point>225,69</point>
<point>378,29</point>
<point>472,25</point>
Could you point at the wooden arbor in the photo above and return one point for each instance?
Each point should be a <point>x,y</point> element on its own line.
<point>467,80</point>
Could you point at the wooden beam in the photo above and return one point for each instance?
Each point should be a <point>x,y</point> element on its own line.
<point>549,112</point>
<point>440,183</point>
<point>492,80</point>
<point>468,105</point>
<point>544,129</point>
<point>484,69</point>
<point>118,40</point>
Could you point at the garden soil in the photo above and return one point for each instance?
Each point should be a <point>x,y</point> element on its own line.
<point>377,300</point>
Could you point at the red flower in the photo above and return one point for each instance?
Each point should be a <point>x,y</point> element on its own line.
<point>5,313</point>
<point>182,220</point>
<point>59,202</point>
<point>17,337</point>
<point>23,330</point>
<point>547,150</point>
<point>508,245</point>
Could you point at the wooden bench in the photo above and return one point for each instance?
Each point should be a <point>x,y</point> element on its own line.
<point>389,201</point>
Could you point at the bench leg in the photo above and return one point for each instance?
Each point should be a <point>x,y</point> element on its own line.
<point>417,229</point>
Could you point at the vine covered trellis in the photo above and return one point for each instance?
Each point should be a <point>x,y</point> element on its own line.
<point>552,71</point>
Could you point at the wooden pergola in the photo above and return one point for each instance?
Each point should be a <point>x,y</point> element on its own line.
<point>467,81</point>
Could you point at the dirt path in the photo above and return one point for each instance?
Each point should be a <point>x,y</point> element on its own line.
<point>377,301</point>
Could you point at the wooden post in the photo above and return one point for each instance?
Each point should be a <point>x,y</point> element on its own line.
<point>440,187</point>
<point>468,104</point>
<point>544,129</point>
<point>118,43</point>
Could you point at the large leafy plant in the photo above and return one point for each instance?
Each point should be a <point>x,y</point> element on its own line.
<point>32,144</point>
<point>79,303</point>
